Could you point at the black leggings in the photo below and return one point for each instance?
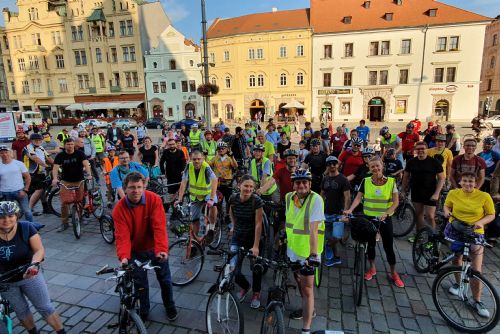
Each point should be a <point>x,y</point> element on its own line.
<point>387,240</point>
<point>226,191</point>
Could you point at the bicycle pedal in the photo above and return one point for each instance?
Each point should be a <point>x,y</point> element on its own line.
<point>111,326</point>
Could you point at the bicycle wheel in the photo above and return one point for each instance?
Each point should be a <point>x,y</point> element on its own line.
<point>76,221</point>
<point>273,321</point>
<point>217,233</point>
<point>223,314</point>
<point>403,221</point>
<point>107,228</point>
<point>97,204</point>
<point>185,270</point>
<point>359,273</point>
<point>423,249</point>
<point>132,323</point>
<point>458,310</point>
<point>54,202</point>
<point>318,271</point>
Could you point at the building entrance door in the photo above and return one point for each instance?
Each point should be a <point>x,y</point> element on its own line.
<point>257,109</point>
<point>376,109</point>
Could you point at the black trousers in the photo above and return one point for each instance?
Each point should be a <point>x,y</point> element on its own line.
<point>387,241</point>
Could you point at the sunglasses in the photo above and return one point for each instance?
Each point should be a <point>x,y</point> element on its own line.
<point>332,164</point>
<point>301,182</point>
<point>357,145</point>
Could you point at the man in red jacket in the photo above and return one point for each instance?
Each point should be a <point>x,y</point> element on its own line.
<point>141,234</point>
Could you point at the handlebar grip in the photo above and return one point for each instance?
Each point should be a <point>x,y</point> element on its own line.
<point>104,270</point>
<point>214,252</point>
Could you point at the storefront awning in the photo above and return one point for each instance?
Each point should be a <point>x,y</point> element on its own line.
<point>130,104</point>
<point>294,104</point>
<point>74,106</point>
<point>104,105</point>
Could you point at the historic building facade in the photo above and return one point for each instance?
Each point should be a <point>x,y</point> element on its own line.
<point>490,72</point>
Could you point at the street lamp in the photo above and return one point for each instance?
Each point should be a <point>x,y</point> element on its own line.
<point>206,79</point>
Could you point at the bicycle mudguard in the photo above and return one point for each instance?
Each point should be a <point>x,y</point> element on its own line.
<point>213,288</point>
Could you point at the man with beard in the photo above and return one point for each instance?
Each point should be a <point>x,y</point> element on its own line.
<point>125,167</point>
<point>172,163</point>
<point>316,162</point>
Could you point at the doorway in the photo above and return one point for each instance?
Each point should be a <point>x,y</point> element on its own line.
<point>190,110</point>
<point>442,110</point>
<point>376,109</point>
<point>257,110</point>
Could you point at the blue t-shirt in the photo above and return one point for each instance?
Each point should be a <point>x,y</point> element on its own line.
<point>363,132</point>
<point>118,173</point>
<point>392,166</point>
<point>17,252</point>
<point>491,158</point>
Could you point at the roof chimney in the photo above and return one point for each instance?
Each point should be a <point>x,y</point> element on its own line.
<point>275,9</point>
<point>367,4</point>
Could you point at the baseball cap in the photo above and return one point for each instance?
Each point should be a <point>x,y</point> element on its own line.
<point>4,148</point>
<point>441,137</point>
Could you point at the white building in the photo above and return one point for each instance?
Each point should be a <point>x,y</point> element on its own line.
<point>172,77</point>
<point>394,60</point>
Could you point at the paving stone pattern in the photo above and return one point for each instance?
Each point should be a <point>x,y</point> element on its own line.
<point>87,303</point>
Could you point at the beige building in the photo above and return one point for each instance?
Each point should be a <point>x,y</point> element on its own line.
<point>80,58</point>
<point>490,73</point>
<point>6,103</point>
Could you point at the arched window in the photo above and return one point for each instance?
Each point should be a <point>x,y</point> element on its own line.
<point>191,63</point>
<point>155,64</point>
<point>300,79</point>
<point>260,80</point>
<point>214,81</point>
<point>251,82</point>
<point>173,65</point>
<point>493,62</point>
<point>228,82</point>
<point>33,13</point>
<point>283,79</point>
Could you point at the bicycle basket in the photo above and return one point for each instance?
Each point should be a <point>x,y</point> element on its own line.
<point>362,229</point>
<point>71,195</point>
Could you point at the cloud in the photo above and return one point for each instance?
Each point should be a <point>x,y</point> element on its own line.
<point>175,10</point>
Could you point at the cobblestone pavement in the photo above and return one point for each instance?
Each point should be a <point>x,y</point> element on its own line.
<point>87,303</point>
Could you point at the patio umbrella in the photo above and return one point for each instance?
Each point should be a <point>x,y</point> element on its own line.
<point>294,104</point>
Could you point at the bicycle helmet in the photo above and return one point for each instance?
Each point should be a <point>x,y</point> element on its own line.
<point>368,151</point>
<point>194,126</point>
<point>208,132</point>
<point>259,147</point>
<point>410,126</point>
<point>357,141</point>
<point>490,140</point>
<point>8,208</point>
<point>35,136</point>
<point>331,159</point>
<point>221,145</point>
<point>384,130</point>
<point>110,148</point>
<point>315,142</point>
<point>290,152</point>
<point>450,126</point>
<point>301,174</point>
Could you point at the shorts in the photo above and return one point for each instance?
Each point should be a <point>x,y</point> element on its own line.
<point>197,208</point>
<point>37,182</point>
<point>423,199</point>
<point>306,271</point>
<point>334,226</point>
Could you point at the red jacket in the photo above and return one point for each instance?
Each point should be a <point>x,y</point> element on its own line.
<point>140,228</point>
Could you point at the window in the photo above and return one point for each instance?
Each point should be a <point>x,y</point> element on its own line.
<point>373,48</point>
<point>111,29</point>
<point>226,56</point>
<point>406,46</point>
<point>35,38</point>
<point>37,85</point>
<point>56,38</point>
<point>80,33</point>
<point>173,65</point>
<point>74,33</point>
<point>6,42</point>
<point>251,81</point>
<point>26,87</point>
<point>60,61</point>
<point>130,28</point>
<point>439,74</point>
<point>80,57</point>
<point>372,78</point>
<point>260,53</point>
<point>132,53</point>
<point>33,14</point>
<point>215,110</point>
<point>83,81</point>
<point>489,84</point>
<point>22,65</point>
<point>163,86</point>
<point>228,82</point>
<point>386,48</point>
<point>251,53</point>
<point>453,43</point>
<point>116,77</point>
<point>347,78</point>
<point>114,57</point>
<point>327,51</point>
<point>212,57</point>
<point>403,77</point>
<point>184,86</point>
<point>123,28</point>
<point>173,86</point>
<point>171,112</point>
<point>495,41</point>
<point>18,42</point>
<point>384,77</point>
<point>345,107</point>
<point>98,55</point>
<point>102,80</point>
<point>283,52</point>
<point>349,50</point>
<point>13,87</point>
<point>9,65</point>
<point>283,79</point>
<point>327,79</point>
<point>260,80</point>
<point>493,62</point>
<point>441,44</point>
<point>191,63</point>
<point>300,50</point>
<point>132,79</point>
<point>300,79</point>
<point>33,62</point>
<point>450,74</point>
<point>192,85</point>
<point>128,53</point>
<point>213,81</point>
<point>63,85</point>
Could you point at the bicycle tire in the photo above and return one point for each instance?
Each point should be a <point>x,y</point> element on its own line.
<point>403,221</point>
<point>359,274</point>
<point>266,242</point>
<point>273,321</point>
<point>318,272</point>
<point>54,202</point>
<point>134,319</point>
<point>182,274</point>
<point>423,250</point>
<point>228,301</point>
<point>98,205</point>
<point>215,244</point>
<point>107,228</point>
<point>76,219</point>
<point>472,275</point>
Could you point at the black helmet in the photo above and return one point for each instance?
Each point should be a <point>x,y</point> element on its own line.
<point>290,152</point>
<point>35,136</point>
<point>490,140</point>
<point>301,174</point>
<point>384,130</point>
<point>315,142</point>
<point>410,126</point>
<point>357,141</point>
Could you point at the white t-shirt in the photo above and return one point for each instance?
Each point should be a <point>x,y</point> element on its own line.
<point>11,176</point>
<point>317,214</point>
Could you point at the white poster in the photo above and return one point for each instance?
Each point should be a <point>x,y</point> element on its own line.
<point>7,127</point>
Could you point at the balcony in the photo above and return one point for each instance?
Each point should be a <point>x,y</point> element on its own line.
<point>115,89</point>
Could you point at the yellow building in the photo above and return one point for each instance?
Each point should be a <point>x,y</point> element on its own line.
<point>261,62</point>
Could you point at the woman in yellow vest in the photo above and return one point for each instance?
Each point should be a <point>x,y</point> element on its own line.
<point>110,162</point>
<point>380,200</point>
<point>262,171</point>
<point>305,231</point>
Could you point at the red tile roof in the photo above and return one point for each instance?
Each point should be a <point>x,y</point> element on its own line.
<point>328,15</point>
<point>260,22</point>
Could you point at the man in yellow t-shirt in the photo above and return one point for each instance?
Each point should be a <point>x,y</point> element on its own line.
<point>441,153</point>
<point>269,151</point>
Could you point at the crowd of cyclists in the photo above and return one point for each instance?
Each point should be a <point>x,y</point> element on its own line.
<point>327,177</point>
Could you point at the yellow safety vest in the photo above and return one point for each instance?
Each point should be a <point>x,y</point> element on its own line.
<point>377,199</point>
<point>255,175</point>
<point>198,187</point>
<point>211,148</point>
<point>298,225</point>
<point>194,138</point>
<point>63,136</point>
<point>98,143</point>
<point>391,140</point>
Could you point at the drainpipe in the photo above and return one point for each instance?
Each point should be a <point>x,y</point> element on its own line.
<point>424,30</point>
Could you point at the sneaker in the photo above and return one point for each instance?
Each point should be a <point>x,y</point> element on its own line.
<point>62,227</point>
<point>328,252</point>
<point>454,290</point>
<point>333,261</point>
<point>297,314</point>
<point>397,280</point>
<point>242,295</point>
<point>411,239</point>
<point>255,303</point>
<point>481,309</point>
<point>172,315</point>
<point>370,273</point>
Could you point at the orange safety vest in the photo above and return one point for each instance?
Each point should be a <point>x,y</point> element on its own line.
<point>108,167</point>
<point>186,153</point>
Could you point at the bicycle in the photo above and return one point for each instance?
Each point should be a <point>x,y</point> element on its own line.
<point>93,201</point>
<point>129,320</point>
<point>223,312</point>
<point>452,289</point>
<point>426,249</point>
<point>403,218</point>
<point>107,228</point>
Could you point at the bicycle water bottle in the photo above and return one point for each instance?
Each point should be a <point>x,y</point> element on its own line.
<point>203,229</point>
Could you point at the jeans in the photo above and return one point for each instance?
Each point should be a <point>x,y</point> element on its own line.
<point>23,202</point>
<point>239,278</point>
<point>162,275</point>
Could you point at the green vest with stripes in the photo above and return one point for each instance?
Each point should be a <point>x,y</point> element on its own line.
<point>377,199</point>
<point>255,175</point>
<point>198,187</point>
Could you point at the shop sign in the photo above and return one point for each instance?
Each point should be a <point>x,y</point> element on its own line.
<point>375,102</point>
<point>436,88</point>
<point>288,95</point>
<point>334,91</point>
<point>451,88</point>
<point>401,107</point>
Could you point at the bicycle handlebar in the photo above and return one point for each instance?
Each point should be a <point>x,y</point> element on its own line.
<point>130,267</point>
<point>20,269</point>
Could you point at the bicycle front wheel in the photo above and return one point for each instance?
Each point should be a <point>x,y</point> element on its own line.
<point>273,321</point>
<point>132,323</point>
<point>359,273</point>
<point>54,202</point>
<point>217,231</point>
<point>423,250</point>
<point>223,314</point>
<point>403,221</point>
<point>107,228</point>
<point>185,265</point>
<point>98,204</point>
<point>456,304</point>
<point>76,221</point>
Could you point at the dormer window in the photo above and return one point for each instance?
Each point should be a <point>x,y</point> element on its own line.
<point>367,4</point>
<point>347,19</point>
<point>388,16</point>
<point>432,12</point>
<point>398,2</point>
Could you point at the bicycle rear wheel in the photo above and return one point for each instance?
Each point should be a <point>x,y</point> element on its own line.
<point>98,204</point>
<point>458,310</point>
<point>273,321</point>
<point>423,250</point>
<point>223,314</point>
<point>107,228</point>
<point>54,202</point>
<point>359,273</point>
<point>133,323</point>
<point>76,221</point>
<point>403,221</point>
<point>185,270</point>
<point>217,232</point>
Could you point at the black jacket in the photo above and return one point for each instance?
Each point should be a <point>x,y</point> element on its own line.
<point>109,134</point>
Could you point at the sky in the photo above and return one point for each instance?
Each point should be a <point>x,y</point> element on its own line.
<point>186,14</point>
